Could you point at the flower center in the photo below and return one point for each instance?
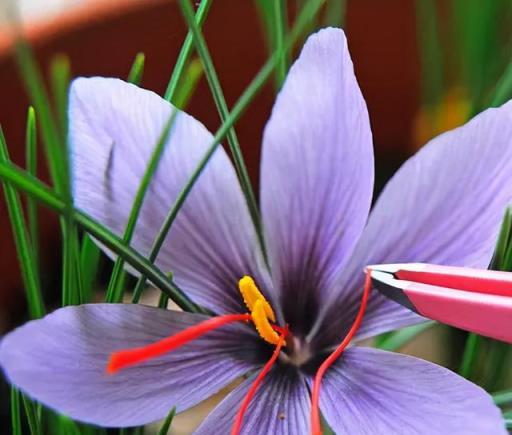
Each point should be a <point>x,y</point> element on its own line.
<point>261,314</point>
<point>263,318</point>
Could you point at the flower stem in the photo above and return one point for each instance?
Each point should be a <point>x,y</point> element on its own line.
<point>222,107</point>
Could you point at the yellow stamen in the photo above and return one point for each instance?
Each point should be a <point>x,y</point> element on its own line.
<point>251,295</point>
<point>263,326</point>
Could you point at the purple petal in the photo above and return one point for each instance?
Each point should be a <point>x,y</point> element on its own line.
<point>317,172</point>
<point>281,406</point>
<point>61,360</point>
<point>443,206</point>
<point>114,127</point>
<point>369,391</point>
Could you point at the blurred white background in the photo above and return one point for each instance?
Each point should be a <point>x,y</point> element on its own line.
<point>34,9</point>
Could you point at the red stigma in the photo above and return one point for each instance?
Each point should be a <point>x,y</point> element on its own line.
<point>316,428</point>
<point>129,357</point>
<point>237,426</point>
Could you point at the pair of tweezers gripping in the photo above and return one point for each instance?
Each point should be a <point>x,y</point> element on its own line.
<point>476,300</point>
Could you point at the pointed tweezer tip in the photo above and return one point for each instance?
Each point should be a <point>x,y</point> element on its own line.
<point>394,267</point>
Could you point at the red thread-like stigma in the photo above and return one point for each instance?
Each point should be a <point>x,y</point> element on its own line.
<point>237,426</point>
<point>125,358</point>
<point>316,428</point>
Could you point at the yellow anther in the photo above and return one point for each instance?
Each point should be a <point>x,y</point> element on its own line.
<point>251,295</point>
<point>263,326</point>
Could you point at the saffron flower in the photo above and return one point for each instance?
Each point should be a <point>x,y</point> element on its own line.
<point>443,206</point>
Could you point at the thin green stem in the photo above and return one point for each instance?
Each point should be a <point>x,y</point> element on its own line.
<point>496,364</point>
<point>60,78</point>
<point>186,51</point>
<point>31,165</point>
<point>500,261</point>
<point>89,261</point>
<point>35,188</point>
<point>15,412</point>
<point>118,277</point>
<point>473,343</point>
<point>280,21</point>
<point>430,52</point>
<point>38,190</point>
<point>163,301</point>
<point>67,426</point>
<point>502,249</point>
<point>117,280</point>
<point>335,13</point>
<point>51,138</point>
<point>71,276</point>
<point>166,425</point>
<point>189,84</point>
<point>33,421</point>
<point>310,9</point>
<point>138,262</point>
<point>28,265</point>
<point>56,154</point>
<point>403,336</point>
<point>222,107</point>
<point>503,90</point>
<point>72,291</point>
<point>137,69</point>
<point>503,398</point>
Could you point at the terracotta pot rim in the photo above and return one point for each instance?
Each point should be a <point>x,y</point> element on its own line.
<point>40,31</point>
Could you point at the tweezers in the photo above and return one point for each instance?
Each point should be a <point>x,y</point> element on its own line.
<point>476,300</point>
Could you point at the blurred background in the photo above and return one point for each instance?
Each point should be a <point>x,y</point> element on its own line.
<point>424,67</point>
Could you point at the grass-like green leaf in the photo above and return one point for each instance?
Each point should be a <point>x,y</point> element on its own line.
<point>503,90</point>
<point>34,423</point>
<point>71,272</point>
<point>56,155</point>
<point>166,425</point>
<point>41,192</point>
<point>163,300</point>
<point>89,261</point>
<point>67,426</point>
<point>188,84</point>
<point>60,72</point>
<point>335,13</point>
<point>503,398</point>
<point>55,151</point>
<point>508,420</point>
<point>117,280</point>
<point>28,265</point>
<point>430,52</point>
<point>90,253</point>
<point>222,107</point>
<point>310,10</point>
<point>31,165</point>
<point>501,260</point>
<point>185,53</point>
<point>497,364</point>
<point>473,344</point>
<point>137,69</point>
<point>400,338</point>
<point>15,412</point>
<point>502,250</point>
<point>280,19</point>
<point>478,41</point>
